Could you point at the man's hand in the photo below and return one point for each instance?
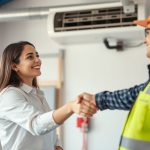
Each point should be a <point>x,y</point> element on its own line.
<point>84,105</point>
<point>89,97</point>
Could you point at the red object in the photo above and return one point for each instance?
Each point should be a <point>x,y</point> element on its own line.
<point>81,120</point>
<point>83,124</point>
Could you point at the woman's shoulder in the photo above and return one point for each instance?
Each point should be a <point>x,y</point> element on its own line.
<point>11,92</point>
<point>11,98</point>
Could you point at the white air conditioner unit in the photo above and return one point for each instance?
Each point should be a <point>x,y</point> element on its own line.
<point>93,23</point>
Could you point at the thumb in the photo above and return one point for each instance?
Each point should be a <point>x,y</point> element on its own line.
<point>79,99</point>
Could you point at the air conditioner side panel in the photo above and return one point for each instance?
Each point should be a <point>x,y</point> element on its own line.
<point>50,23</point>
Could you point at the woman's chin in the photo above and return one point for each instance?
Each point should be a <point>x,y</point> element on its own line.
<point>37,74</point>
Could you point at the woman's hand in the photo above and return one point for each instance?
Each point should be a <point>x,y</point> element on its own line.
<point>58,148</point>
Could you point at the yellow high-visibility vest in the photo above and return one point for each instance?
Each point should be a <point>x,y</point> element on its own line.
<point>136,131</point>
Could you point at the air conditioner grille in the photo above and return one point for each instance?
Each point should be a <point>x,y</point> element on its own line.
<point>93,19</point>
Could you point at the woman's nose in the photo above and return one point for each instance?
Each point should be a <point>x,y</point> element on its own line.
<point>37,59</point>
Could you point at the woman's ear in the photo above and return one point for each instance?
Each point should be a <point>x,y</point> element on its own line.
<point>14,67</point>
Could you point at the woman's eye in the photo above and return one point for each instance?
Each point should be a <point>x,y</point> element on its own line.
<point>30,57</point>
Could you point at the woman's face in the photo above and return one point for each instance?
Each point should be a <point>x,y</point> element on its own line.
<point>29,66</point>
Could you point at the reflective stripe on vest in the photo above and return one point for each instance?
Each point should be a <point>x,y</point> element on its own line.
<point>132,144</point>
<point>136,131</point>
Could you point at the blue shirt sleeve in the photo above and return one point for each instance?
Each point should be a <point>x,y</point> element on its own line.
<point>120,99</point>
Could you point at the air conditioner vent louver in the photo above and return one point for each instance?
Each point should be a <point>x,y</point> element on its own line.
<point>93,19</point>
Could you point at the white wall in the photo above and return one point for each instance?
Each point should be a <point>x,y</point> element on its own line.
<point>89,67</point>
<point>93,68</point>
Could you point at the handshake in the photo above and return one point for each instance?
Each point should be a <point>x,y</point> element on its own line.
<point>85,105</point>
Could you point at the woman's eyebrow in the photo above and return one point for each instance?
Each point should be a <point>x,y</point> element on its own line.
<point>29,54</point>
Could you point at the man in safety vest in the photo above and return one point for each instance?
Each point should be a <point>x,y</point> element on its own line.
<point>136,132</point>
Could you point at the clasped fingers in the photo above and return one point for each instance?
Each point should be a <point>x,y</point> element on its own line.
<point>87,108</point>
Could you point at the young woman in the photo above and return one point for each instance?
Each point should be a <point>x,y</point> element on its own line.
<point>26,121</point>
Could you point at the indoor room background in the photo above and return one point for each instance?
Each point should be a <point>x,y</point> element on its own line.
<point>88,67</point>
